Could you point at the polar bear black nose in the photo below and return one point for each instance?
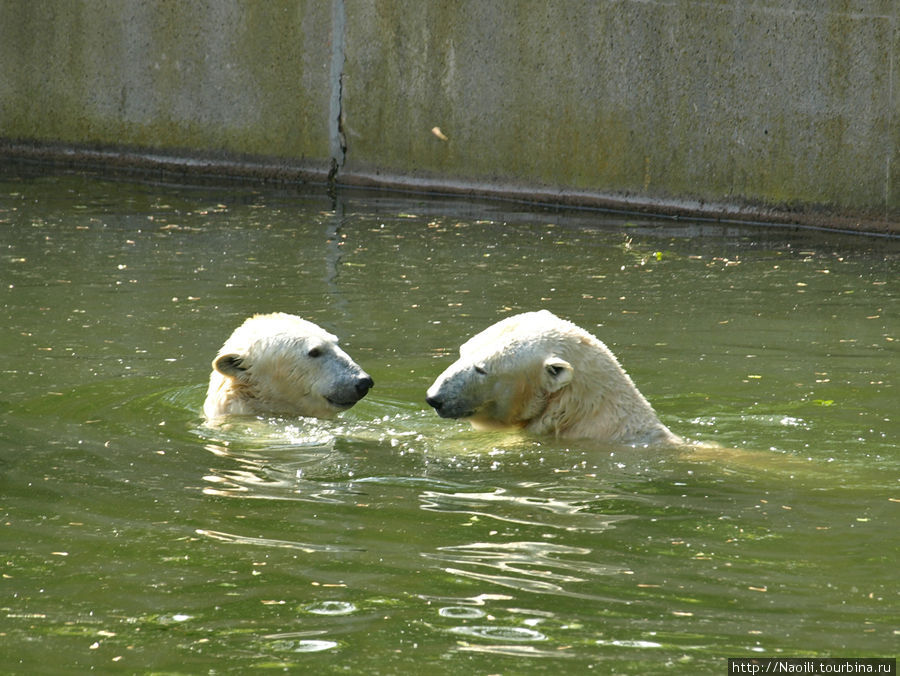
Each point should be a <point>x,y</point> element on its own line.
<point>434,402</point>
<point>363,385</point>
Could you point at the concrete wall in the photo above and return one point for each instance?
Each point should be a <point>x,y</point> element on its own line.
<point>782,109</point>
<point>221,78</point>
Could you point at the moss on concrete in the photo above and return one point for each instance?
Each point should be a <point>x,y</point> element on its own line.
<point>232,76</point>
<point>772,102</point>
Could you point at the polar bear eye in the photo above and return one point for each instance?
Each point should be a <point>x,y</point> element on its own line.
<point>480,369</point>
<point>314,352</point>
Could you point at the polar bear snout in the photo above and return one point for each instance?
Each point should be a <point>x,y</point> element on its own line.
<point>364,384</point>
<point>446,409</point>
<point>353,392</point>
<point>435,402</point>
<point>443,396</point>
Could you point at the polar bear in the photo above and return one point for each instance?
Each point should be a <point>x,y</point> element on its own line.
<point>280,364</point>
<point>545,375</point>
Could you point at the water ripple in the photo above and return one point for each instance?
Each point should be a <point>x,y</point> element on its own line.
<point>499,504</point>
<point>536,567</point>
<point>631,644</point>
<point>269,542</point>
<point>528,651</point>
<point>500,633</point>
<point>302,645</point>
<point>461,613</point>
<point>331,608</point>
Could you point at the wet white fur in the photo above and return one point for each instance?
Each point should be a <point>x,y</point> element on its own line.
<point>546,375</point>
<point>266,367</point>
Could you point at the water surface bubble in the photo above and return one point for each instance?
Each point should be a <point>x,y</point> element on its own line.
<point>303,646</point>
<point>331,608</point>
<point>632,644</point>
<point>461,612</point>
<point>314,645</point>
<point>501,633</point>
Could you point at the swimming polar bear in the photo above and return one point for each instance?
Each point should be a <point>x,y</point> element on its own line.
<point>545,375</point>
<point>280,364</point>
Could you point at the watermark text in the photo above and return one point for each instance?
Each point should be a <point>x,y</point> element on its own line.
<point>840,666</point>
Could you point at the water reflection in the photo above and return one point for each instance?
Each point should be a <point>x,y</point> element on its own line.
<point>524,508</point>
<point>500,633</point>
<point>523,651</point>
<point>281,459</point>
<point>537,567</point>
<point>305,547</point>
<point>400,542</point>
<point>501,629</point>
<point>630,644</point>
<point>461,613</point>
<point>301,646</point>
<point>279,473</point>
<point>331,608</point>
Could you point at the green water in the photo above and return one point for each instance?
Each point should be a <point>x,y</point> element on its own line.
<point>390,541</point>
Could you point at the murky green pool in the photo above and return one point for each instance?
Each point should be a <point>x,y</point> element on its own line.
<point>389,541</point>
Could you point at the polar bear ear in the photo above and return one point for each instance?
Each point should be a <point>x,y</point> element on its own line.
<point>560,372</point>
<point>230,365</point>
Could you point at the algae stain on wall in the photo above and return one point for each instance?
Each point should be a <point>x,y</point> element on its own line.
<point>772,103</point>
<point>749,102</point>
<point>225,76</point>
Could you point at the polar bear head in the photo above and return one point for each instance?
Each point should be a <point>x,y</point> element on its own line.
<point>505,373</point>
<point>546,375</point>
<point>280,364</point>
